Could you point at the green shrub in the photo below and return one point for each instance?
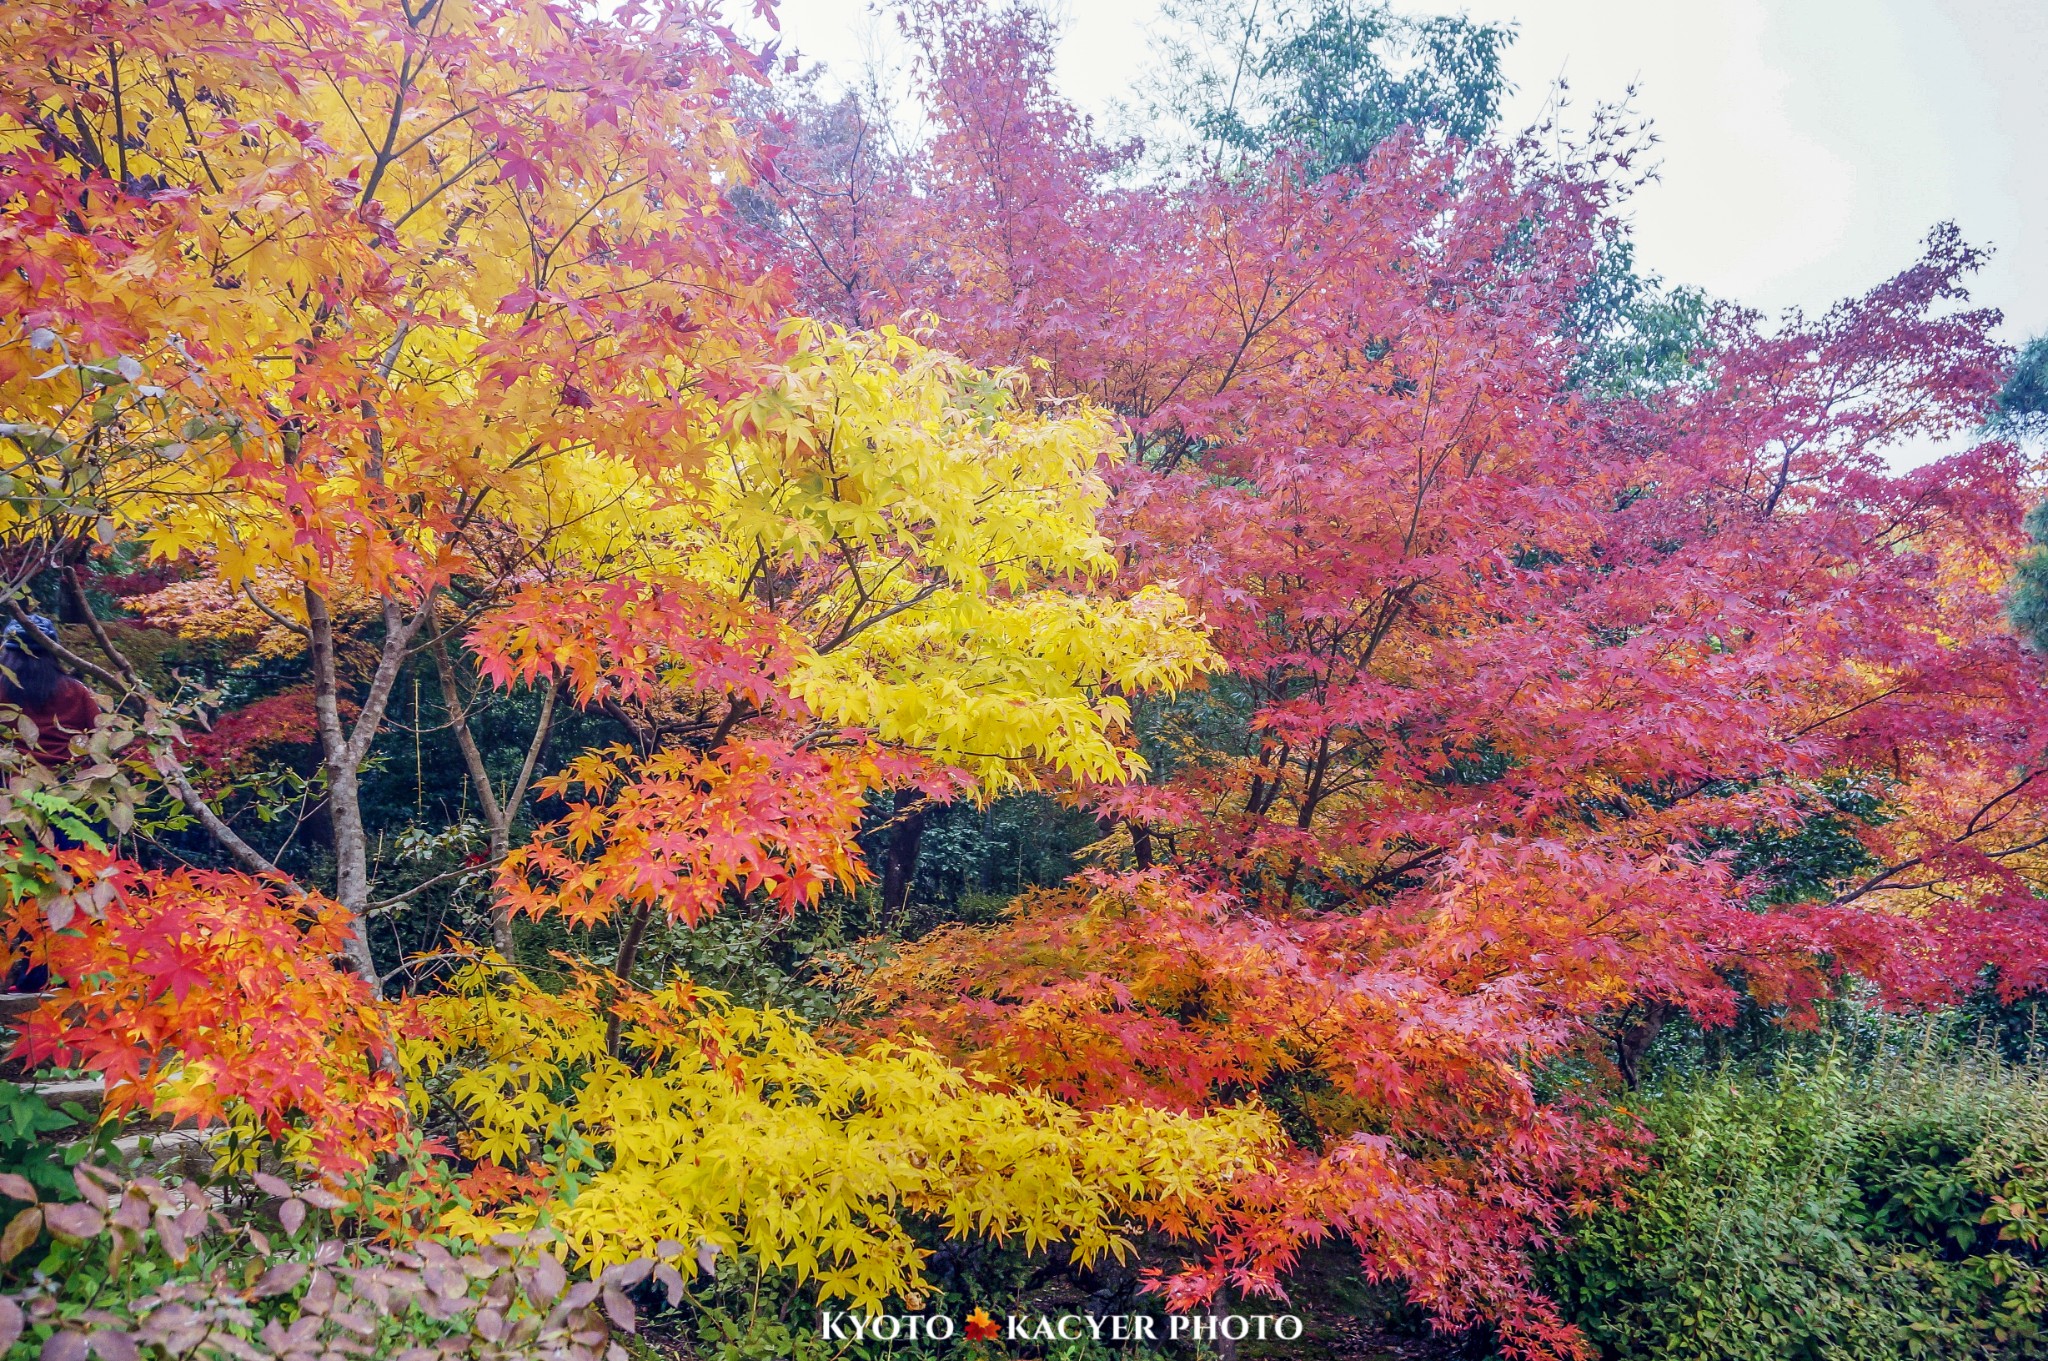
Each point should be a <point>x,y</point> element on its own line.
<point>30,1128</point>
<point>1855,1209</point>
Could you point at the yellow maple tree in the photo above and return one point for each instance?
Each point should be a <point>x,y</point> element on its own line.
<point>736,1128</point>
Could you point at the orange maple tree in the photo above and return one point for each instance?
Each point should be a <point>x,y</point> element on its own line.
<point>211,996</point>
<point>347,303</point>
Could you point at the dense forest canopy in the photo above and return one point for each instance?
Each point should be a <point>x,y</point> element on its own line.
<point>675,668</point>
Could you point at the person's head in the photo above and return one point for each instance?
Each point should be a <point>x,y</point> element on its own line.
<point>30,674</point>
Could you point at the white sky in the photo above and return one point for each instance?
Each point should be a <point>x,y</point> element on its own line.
<point>1806,145</point>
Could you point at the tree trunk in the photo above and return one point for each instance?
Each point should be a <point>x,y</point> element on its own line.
<point>1634,1038</point>
<point>899,855</point>
<point>342,754</point>
<point>1141,843</point>
<point>351,863</point>
<point>498,815</point>
<point>622,968</point>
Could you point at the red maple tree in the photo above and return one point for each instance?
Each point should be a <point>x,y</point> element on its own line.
<point>1526,679</point>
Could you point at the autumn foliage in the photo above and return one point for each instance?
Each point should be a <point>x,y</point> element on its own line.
<point>1524,678</point>
<point>1430,1148</point>
<point>1454,713</point>
<point>210,998</point>
<point>735,1128</point>
<point>682,831</point>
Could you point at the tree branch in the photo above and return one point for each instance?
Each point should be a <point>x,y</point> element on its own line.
<point>465,740</point>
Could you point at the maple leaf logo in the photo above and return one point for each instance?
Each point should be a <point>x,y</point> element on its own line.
<point>982,1328</point>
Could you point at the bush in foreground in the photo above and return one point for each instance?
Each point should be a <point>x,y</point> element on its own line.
<point>1837,1208</point>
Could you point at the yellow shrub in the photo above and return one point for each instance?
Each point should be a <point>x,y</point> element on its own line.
<point>738,1128</point>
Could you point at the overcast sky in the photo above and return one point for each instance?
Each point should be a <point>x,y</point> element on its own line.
<point>1807,145</point>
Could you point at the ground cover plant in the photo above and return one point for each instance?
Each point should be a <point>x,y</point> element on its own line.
<point>686,707</point>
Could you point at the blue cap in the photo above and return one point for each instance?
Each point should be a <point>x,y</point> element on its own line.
<point>45,625</point>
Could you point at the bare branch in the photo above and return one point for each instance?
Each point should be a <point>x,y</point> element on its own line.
<point>465,740</point>
<point>245,855</point>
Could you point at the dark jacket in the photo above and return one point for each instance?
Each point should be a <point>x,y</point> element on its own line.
<point>68,713</point>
